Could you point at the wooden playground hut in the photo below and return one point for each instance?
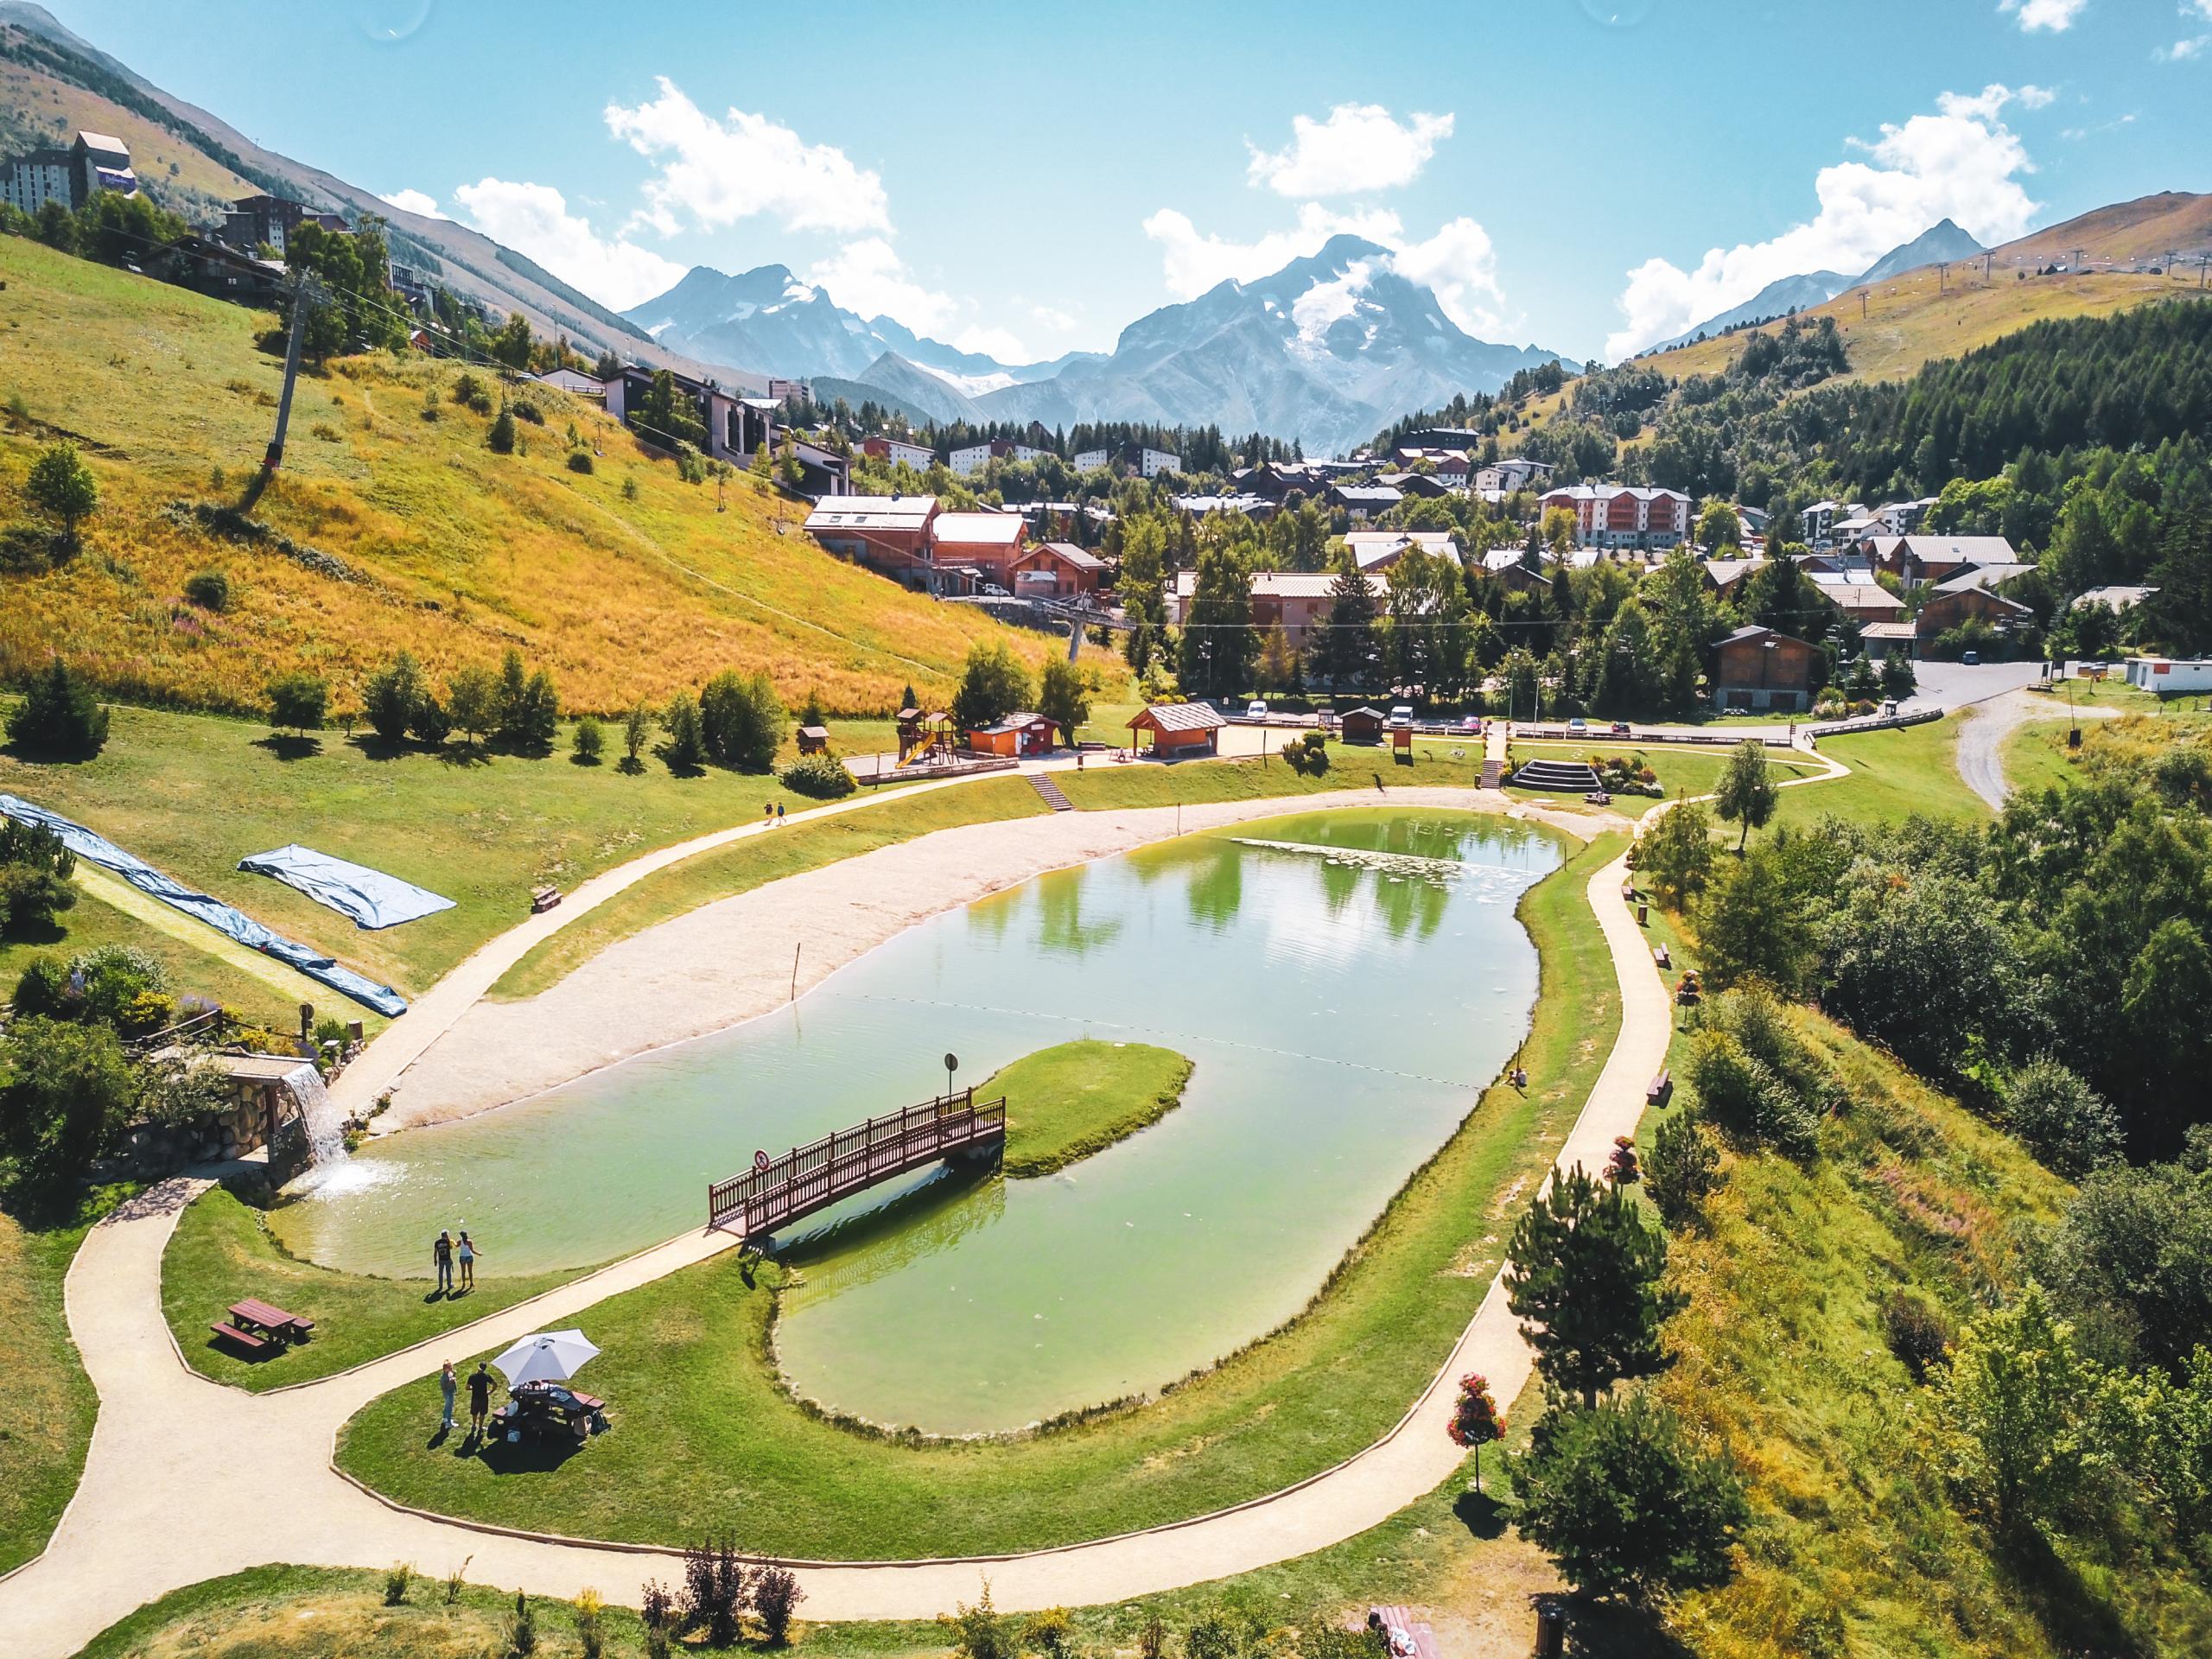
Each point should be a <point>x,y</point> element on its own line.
<point>1361,725</point>
<point>921,735</point>
<point>813,740</point>
<point>1178,729</point>
<point>1021,732</point>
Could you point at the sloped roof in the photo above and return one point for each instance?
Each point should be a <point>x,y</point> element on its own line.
<point>1177,717</point>
<point>872,512</point>
<point>1069,553</point>
<point>1862,595</point>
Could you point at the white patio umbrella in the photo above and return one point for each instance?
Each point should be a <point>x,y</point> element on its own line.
<point>549,1357</point>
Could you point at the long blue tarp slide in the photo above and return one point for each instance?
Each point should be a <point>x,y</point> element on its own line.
<point>96,849</point>
<point>370,897</point>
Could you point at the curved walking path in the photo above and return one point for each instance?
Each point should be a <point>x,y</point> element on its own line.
<point>1981,739</point>
<point>186,1479</point>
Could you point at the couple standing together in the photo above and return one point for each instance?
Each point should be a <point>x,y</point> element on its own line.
<point>445,1254</point>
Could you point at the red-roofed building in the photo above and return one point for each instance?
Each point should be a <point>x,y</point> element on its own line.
<point>987,543</point>
<point>1055,570</point>
<point>1179,728</point>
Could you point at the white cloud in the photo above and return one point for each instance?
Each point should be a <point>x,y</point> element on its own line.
<point>2057,15</point>
<point>1194,262</point>
<point>2183,50</point>
<point>869,277</point>
<point>415,201</point>
<point>2036,98</point>
<point>535,219</point>
<point>718,172</point>
<point>1461,265</point>
<point>2112,125</point>
<point>1360,147</point>
<point>1052,318</point>
<point>1001,343</point>
<point>1962,163</point>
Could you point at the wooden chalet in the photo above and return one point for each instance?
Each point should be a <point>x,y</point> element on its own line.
<point>1179,728</point>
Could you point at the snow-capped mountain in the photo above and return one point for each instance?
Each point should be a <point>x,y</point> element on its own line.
<point>1327,350</point>
<point>1942,241</point>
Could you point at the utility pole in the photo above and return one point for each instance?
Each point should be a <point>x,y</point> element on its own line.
<point>305,292</point>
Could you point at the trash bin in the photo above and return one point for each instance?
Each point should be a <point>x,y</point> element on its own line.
<point>1643,914</point>
<point>1551,1630</point>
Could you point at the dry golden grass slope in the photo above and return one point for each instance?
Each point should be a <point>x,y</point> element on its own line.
<point>461,552</point>
<point>35,99</point>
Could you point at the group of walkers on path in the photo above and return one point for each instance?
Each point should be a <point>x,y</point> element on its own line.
<point>448,1255</point>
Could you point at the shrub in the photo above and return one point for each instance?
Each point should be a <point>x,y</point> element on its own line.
<point>1917,1332</point>
<point>300,701</point>
<point>981,1631</point>
<point>1308,756</point>
<point>1683,1169</point>
<point>35,871</point>
<point>714,1591</point>
<point>776,1597</point>
<point>656,1606</point>
<point>589,1637</point>
<point>30,550</point>
<point>579,461</point>
<point>209,589</point>
<point>58,718</point>
<point>430,403</point>
<point>629,486</point>
<point>1754,1081</point>
<point>526,410</point>
<point>455,1580</point>
<point>500,439</point>
<point>1050,1633</point>
<point>396,1578</point>
<point>68,1092</point>
<point>466,389</point>
<point>590,741</point>
<point>42,990</point>
<point>522,1629</point>
<point>822,776</point>
<point>2070,1127</point>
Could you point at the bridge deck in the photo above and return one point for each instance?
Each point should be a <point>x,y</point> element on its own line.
<point>814,1177</point>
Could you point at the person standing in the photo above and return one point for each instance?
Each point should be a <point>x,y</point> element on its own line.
<point>467,1252</point>
<point>480,1397</point>
<point>441,1259</point>
<point>448,1384</point>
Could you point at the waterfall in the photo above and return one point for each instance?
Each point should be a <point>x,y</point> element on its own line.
<point>321,1123</point>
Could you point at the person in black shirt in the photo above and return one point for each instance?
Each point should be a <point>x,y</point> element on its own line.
<point>441,1259</point>
<point>480,1397</point>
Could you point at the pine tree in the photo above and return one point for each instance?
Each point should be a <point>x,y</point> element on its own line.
<point>1584,1270</point>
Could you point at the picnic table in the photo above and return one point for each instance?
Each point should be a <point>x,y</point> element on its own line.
<point>254,1325</point>
<point>543,1411</point>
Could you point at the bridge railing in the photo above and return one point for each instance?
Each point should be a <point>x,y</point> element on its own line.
<point>812,1177</point>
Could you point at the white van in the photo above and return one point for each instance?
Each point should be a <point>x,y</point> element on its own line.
<point>1403,715</point>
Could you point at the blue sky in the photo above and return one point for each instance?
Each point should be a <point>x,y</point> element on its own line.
<point>1026,179</point>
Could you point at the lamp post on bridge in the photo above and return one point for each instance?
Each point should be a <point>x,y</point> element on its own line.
<point>951,1066</point>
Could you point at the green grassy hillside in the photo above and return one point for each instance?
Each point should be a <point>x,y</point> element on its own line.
<point>626,582</point>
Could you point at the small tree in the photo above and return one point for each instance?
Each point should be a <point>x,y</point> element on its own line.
<point>1675,854</point>
<point>391,696</point>
<point>500,439</point>
<point>2066,1123</point>
<point>741,721</point>
<point>1898,679</point>
<point>300,701</point>
<point>992,686</point>
<point>1475,1420</point>
<point>776,1597</point>
<point>61,485</point>
<point>686,748</point>
<point>637,731</point>
<point>1584,1270</point>
<point>67,1091</point>
<point>58,718</point>
<point>1625,1504</point>
<point>2016,1403</point>
<point>1747,792</point>
<point>473,702</point>
<point>1064,697</point>
<point>590,741</point>
<point>1683,1168</point>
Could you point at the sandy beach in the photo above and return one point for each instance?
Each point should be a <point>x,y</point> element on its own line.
<point>730,961</point>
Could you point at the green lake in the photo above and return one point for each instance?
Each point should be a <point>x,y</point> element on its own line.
<point>1345,982</point>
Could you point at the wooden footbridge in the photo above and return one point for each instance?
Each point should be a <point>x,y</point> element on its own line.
<point>777,1191</point>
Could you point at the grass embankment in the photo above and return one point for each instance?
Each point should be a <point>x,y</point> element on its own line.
<point>1782,1357</point>
<point>192,794</point>
<point>1106,785</point>
<point>757,861</point>
<point>1066,1103</point>
<point>222,1250</point>
<point>51,1404</point>
<point>626,582</point>
<point>707,1439</point>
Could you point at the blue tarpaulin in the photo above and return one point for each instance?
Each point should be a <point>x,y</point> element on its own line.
<point>370,897</point>
<point>95,850</point>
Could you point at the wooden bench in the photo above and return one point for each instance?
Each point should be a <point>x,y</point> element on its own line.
<point>1661,1086</point>
<point>542,900</point>
<point>244,1339</point>
<point>1659,955</point>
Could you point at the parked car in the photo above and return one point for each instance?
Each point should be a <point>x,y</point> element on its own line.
<point>1255,709</point>
<point>1472,725</point>
<point>1972,658</point>
<point>1620,728</point>
<point>1402,715</point>
<point>1578,724</point>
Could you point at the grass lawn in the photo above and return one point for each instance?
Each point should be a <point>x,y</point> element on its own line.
<point>192,794</point>
<point>753,862</point>
<point>222,1250</point>
<point>2034,756</point>
<point>51,1404</point>
<point>92,922</point>
<point>1894,774</point>
<point>1351,767</point>
<point>706,1437</point>
<point>1065,1103</point>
